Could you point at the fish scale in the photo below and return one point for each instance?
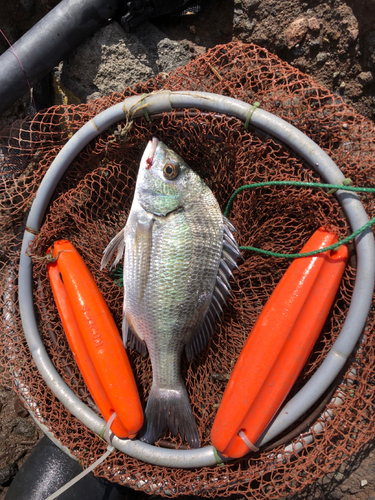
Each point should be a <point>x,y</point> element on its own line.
<point>177,268</point>
<point>179,255</point>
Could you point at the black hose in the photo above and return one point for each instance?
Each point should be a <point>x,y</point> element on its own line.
<point>47,43</point>
<point>48,468</point>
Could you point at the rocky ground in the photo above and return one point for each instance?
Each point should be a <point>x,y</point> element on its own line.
<point>333,41</point>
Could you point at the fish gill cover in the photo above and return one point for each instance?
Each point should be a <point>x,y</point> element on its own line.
<point>91,204</point>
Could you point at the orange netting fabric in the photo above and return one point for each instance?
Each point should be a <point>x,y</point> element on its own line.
<point>91,204</point>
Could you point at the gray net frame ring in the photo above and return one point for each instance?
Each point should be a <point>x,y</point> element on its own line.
<point>351,330</point>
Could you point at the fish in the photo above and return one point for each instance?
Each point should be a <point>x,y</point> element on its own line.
<point>179,253</point>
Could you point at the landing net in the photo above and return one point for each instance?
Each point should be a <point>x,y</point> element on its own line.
<point>91,204</point>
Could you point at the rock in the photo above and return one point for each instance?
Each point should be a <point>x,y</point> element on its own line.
<point>363,483</point>
<point>322,56</point>
<point>353,34</point>
<point>296,31</point>
<point>339,476</point>
<point>313,24</point>
<point>314,43</point>
<point>237,20</point>
<point>111,60</point>
<point>165,54</point>
<point>20,409</point>
<point>249,25</point>
<point>336,495</point>
<point>28,6</point>
<point>249,4</point>
<point>23,428</point>
<point>365,77</point>
<point>8,473</point>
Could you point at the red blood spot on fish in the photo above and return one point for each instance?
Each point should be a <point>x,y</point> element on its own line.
<point>148,163</point>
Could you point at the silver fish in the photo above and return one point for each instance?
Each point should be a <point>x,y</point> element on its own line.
<point>179,253</point>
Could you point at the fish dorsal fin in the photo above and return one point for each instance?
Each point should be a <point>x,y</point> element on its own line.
<point>117,243</point>
<point>230,253</point>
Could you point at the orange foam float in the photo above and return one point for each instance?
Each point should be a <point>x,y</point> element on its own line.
<point>94,340</point>
<point>278,346</point>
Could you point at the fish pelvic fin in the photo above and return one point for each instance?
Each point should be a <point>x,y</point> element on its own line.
<point>169,408</point>
<point>117,243</point>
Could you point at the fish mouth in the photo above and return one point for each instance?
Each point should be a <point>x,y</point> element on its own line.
<point>152,145</point>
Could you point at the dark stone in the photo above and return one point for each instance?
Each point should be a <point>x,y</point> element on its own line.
<point>336,495</point>
<point>24,428</point>
<point>365,77</point>
<point>8,473</point>
<point>20,409</point>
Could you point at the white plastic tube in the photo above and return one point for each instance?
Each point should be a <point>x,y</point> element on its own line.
<point>313,154</point>
<point>82,474</point>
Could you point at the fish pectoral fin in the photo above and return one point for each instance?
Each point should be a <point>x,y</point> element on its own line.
<point>117,243</point>
<point>142,248</point>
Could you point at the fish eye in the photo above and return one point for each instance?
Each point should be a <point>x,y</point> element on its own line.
<point>171,171</point>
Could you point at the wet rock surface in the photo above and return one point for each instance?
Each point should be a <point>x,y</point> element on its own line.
<point>333,41</point>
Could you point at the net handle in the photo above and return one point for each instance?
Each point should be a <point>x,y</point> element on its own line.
<point>359,307</point>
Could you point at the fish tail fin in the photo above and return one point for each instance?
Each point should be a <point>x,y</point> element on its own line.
<point>169,408</point>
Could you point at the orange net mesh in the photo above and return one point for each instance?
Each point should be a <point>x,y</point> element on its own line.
<point>91,204</point>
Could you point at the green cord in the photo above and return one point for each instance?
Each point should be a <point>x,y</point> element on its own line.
<point>117,274</point>
<point>333,187</point>
<point>145,112</point>
<point>250,113</point>
<point>217,457</point>
<point>345,182</point>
